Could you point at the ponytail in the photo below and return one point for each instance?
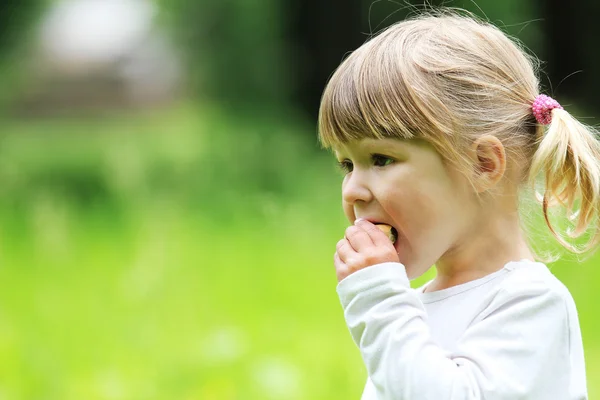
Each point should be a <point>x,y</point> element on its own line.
<point>568,159</point>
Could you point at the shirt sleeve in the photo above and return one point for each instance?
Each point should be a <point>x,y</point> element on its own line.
<point>518,348</point>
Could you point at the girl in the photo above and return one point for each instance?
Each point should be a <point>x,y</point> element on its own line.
<point>438,122</point>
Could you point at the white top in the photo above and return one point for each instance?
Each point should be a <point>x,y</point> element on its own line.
<point>510,335</point>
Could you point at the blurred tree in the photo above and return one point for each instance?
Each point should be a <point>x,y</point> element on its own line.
<point>234,49</point>
<point>273,53</point>
<point>15,15</point>
<point>17,18</point>
<point>321,34</point>
<point>570,45</point>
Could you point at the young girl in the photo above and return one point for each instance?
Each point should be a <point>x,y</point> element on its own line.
<point>438,122</point>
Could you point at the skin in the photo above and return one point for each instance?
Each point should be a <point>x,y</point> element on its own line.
<point>439,217</point>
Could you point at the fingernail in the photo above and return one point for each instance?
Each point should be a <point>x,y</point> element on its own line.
<point>358,220</point>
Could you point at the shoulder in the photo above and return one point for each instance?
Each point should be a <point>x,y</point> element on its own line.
<point>531,284</point>
<point>533,278</point>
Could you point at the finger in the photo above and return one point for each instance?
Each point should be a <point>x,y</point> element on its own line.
<point>337,261</point>
<point>375,235</point>
<point>358,238</point>
<point>341,269</point>
<point>345,251</point>
<point>352,260</point>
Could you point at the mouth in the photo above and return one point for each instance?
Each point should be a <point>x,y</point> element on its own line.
<point>389,230</point>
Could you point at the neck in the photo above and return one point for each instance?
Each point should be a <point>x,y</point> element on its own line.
<point>485,250</point>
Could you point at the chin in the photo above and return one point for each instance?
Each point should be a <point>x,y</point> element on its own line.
<point>412,275</point>
<point>414,272</point>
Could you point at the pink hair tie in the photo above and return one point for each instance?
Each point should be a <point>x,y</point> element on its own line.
<point>542,108</point>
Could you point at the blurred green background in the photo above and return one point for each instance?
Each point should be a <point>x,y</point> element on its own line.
<point>167,219</point>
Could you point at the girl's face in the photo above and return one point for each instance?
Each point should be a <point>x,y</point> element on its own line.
<point>405,184</point>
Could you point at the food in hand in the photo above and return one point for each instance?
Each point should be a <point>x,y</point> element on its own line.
<point>390,231</point>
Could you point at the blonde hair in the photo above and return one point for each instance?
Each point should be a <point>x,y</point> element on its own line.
<point>447,77</point>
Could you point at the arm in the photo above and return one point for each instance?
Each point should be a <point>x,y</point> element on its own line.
<point>516,350</point>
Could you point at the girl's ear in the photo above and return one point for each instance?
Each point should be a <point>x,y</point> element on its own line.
<point>490,162</point>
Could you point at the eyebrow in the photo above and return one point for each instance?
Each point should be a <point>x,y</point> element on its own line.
<point>378,146</point>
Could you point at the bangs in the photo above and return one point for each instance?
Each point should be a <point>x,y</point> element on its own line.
<point>375,94</point>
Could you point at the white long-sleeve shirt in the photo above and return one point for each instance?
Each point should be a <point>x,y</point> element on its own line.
<point>513,334</point>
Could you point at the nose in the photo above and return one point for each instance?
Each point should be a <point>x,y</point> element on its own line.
<point>355,188</point>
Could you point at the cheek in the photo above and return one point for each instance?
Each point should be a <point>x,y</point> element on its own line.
<point>427,214</point>
<point>414,210</point>
<point>428,228</point>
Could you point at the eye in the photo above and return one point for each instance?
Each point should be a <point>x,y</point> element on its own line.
<point>380,160</point>
<point>346,166</point>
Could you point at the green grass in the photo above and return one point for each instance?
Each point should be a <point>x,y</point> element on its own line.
<point>176,275</point>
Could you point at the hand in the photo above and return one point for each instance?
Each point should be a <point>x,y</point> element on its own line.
<point>364,245</point>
